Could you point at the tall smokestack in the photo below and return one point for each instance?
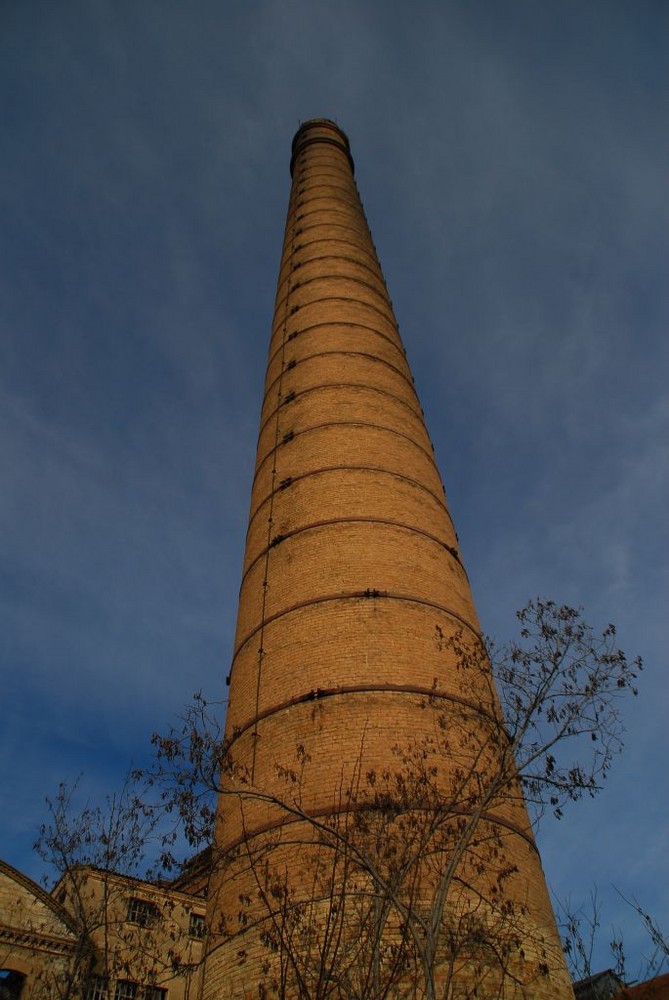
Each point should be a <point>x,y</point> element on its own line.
<point>353,581</point>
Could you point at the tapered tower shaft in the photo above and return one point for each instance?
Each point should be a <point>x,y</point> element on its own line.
<point>351,556</point>
<point>352,581</point>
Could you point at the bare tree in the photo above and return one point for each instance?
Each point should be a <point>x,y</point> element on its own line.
<point>582,932</point>
<point>126,927</point>
<point>405,886</point>
<point>72,841</point>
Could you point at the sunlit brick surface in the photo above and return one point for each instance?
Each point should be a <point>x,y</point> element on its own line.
<point>352,579</point>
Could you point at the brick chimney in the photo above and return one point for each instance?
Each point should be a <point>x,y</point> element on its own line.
<point>353,580</point>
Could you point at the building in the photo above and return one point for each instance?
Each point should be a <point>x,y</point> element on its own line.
<point>355,624</point>
<point>601,986</point>
<point>38,936</point>
<point>656,988</point>
<point>608,985</point>
<point>100,936</point>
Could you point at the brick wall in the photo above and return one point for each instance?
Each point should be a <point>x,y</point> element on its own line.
<point>352,586</point>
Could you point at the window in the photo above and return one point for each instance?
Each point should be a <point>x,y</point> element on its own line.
<point>125,990</point>
<point>97,988</point>
<point>196,926</point>
<point>142,912</point>
<point>154,993</point>
<point>11,983</point>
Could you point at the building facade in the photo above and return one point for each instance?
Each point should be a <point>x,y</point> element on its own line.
<point>99,935</point>
<point>361,707</point>
<point>38,936</point>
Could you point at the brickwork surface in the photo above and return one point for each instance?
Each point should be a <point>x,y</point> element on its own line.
<point>352,580</point>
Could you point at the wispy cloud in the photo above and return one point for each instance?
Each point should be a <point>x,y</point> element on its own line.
<point>512,164</point>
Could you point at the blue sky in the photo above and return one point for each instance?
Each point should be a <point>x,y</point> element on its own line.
<point>512,159</point>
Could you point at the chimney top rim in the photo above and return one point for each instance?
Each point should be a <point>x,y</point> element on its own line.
<point>320,130</point>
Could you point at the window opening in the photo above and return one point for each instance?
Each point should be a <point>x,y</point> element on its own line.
<point>196,925</point>
<point>142,912</point>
